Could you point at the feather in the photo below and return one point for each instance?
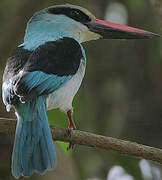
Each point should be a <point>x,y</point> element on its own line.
<point>33,147</point>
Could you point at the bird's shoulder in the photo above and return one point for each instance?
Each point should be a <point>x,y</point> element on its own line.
<point>61,57</point>
<point>49,68</point>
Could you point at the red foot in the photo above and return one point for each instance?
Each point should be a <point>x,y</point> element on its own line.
<point>71,127</point>
<point>71,123</point>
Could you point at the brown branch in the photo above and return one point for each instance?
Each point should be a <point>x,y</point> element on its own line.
<point>8,126</point>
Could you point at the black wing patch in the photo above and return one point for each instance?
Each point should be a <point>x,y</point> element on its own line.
<point>16,62</point>
<point>61,57</point>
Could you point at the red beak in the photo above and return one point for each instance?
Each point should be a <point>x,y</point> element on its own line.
<point>109,30</point>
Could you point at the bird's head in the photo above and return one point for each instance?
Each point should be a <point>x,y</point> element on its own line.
<point>69,20</point>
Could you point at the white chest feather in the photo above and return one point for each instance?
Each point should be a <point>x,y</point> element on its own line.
<point>63,97</point>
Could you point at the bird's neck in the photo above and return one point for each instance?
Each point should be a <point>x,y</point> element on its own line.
<point>34,39</point>
<point>38,33</point>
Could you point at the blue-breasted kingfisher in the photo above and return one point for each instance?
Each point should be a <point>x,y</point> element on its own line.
<point>45,72</point>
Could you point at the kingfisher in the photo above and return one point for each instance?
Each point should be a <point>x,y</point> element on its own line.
<point>45,72</point>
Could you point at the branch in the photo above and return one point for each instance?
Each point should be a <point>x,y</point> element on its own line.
<point>8,126</point>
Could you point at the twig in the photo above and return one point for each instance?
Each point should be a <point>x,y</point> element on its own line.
<point>97,141</point>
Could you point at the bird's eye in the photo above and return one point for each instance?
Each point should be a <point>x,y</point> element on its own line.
<point>74,13</point>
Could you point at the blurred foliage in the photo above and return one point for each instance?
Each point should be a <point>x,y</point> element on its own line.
<point>121,94</point>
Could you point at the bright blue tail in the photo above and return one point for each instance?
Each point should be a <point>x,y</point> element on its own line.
<point>33,146</point>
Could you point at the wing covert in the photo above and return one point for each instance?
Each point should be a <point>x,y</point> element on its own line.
<point>48,68</point>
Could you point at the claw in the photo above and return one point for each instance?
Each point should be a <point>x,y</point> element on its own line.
<point>71,146</point>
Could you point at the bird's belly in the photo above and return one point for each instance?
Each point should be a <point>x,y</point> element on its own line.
<point>63,97</point>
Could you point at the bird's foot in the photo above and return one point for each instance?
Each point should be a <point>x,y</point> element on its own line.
<point>71,145</point>
<point>70,127</point>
